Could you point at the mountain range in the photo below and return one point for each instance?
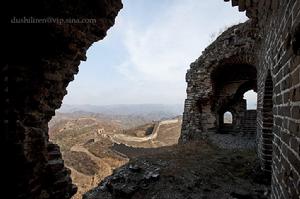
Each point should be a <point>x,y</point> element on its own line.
<point>161,110</point>
<point>126,115</point>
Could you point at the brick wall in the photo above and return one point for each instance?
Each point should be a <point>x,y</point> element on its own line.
<point>265,123</point>
<point>279,54</point>
<point>248,123</point>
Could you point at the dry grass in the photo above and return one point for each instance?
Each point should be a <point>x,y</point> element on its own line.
<point>81,162</point>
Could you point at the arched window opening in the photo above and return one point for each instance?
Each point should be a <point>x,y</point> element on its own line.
<point>227,117</point>
<point>251,99</point>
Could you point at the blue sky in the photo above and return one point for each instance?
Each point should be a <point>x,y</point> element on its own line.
<point>145,55</point>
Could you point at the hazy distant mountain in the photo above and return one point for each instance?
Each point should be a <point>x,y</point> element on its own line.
<point>124,109</point>
<point>127,116</point>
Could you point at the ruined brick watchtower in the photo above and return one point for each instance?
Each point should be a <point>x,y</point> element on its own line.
<point>262,54</point>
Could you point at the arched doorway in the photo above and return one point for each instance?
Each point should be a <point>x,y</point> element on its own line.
<point>230,83</point>
<point>227,118</point>
<point>251,99</point>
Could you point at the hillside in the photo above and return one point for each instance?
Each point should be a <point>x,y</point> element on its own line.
<point>92,145</point>
<point>146,162</point>
<point>72,133</point>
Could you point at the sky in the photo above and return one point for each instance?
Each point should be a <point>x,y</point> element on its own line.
<point>145,55</point>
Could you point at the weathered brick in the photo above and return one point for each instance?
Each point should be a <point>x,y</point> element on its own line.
<point>295,160</point>
<point>285,137</point>
<point>295,112</point>
<point>295,94</point>
<point>294,128</point>
<point>295,145</point>
<point>296,77</point>
<point>279,99</point>
<point>278,121</point>
<point>286,97</point>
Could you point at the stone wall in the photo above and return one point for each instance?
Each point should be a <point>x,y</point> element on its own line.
<point>248,123</point>
<point>41,60</point>
<point>234,49</point>
<point>278,75</point>
<point>275,46</point>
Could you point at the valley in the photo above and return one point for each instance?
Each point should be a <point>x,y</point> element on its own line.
<point>93,145</point>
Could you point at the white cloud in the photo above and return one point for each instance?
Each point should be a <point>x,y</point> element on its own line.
<point>163,50</point>
<point>145,55</point>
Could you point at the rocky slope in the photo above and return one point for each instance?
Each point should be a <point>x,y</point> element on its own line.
<point>197,170</point>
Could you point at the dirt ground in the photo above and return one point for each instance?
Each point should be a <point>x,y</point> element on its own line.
<point>197,170</point>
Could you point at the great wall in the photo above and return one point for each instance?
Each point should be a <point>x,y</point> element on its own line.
<point>264,52</point>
